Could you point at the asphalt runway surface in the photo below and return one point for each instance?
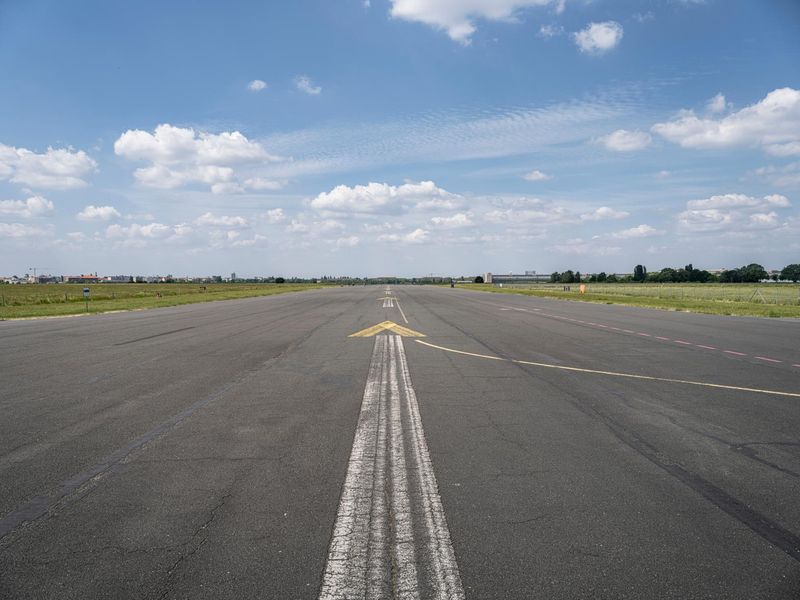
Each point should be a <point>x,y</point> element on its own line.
<point>523,448</point>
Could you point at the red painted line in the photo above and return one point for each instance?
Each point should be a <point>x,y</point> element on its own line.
<point>768,359</point>
<point>658,337</point>
<point>736,353</point>
<point>682,342</point>
<point>706,347</point>
<point>644,334</point>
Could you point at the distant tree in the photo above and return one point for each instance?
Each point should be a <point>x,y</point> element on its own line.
<point>568,276</point>
<point>668,275</point>
<point>577,276</point>
<point>479,279</point>
<point>791,272</point>
<point>612,278</point>
<point>131,280</point>
<point>730,276</point>
<point>555,277</point>
<point>639,273</point>
<point>601,277</point>
<point>280,280</point>
<point>753,273</point>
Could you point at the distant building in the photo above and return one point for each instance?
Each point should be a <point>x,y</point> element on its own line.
<point>527,277</point>
<point>81,279</point>
<point>487,278</point>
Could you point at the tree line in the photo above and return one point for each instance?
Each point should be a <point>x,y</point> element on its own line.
<point>751,273</point>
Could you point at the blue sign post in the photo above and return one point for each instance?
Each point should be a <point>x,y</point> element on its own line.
<point>86,298</point>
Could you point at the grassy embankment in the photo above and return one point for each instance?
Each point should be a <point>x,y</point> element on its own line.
<point>756,300</point>
<point>67,299</point>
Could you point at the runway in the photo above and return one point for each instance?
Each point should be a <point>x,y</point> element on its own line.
<point>400,442</point>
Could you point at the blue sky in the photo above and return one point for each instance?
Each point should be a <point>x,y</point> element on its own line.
<point>398,136</point>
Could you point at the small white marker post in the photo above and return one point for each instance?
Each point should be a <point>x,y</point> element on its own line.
<point>86,298</point>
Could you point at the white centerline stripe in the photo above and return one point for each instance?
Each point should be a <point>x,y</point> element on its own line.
<point>390,538</point>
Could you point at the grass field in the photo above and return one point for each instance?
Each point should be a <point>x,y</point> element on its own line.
<point>757,300</point>
<point>67,299</point>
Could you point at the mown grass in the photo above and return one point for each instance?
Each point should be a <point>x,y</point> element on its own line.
<point>17,301</point>
<point>752,300</point>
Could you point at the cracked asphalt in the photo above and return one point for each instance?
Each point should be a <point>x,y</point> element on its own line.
<point>199,451</point>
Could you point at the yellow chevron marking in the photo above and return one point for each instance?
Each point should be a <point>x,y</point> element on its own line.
<point>387,326</point>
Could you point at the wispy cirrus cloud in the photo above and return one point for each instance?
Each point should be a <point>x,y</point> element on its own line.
<point>449,135</point>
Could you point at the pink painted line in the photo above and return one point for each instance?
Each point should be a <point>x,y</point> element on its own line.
<point>615,328</point>
<point>658,337</point>
<point>628,331</point>
<point>706,347</point>
<point>772,360</point>
<point>682,342</point>
<point>644,334</point>
<point>798,366</point>
<point>603,326</point>
<point>733,352</point>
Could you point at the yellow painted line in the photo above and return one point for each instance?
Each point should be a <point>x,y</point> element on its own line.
<point>615,373</point>
<point>387,326</point>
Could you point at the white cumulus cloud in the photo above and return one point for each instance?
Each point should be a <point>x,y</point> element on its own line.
<point>772,124</point>
<point>181,156</point>
<point>623,140</point>
<point>536,175</point>
<point>457,17</point>
<point>57,168</point>
<point>598,38</point>
<point>257,85</point>
<point>20,231</point>
<point>275,215</point>
<point>455,221</point>
<point>98,213</point>
<point>139,236</point>
<point>383,198</point>
<point>210,220</point>
<point>604,213</point>
<point>717,104</point>
<point>305,85</point>
<point>347,242</point>
<point>259,184</point>
<point>733,212</point>
<point>35,206</point>
<point>418,236</point>
<point>640,231</point>
<point>550,31</point>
